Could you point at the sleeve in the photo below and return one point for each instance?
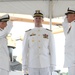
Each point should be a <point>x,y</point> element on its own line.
<point>65,26</point>
<point>52,52</point>
<point>73,34</point>
<point>25,53</point>
<point>6,30</point>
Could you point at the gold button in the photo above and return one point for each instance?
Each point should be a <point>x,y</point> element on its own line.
<point>38,30</point>
<point>39,35</point>
<point>39,47</point>
<point>32,40</point>
<point>39,40</point>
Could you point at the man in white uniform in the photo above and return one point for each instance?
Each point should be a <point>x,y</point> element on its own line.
<point>69,30</point>
<point>5,27</point>
<point>38,49</point>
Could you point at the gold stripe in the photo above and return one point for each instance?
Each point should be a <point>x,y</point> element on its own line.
<point>71,11</point>
<point>38,15</point>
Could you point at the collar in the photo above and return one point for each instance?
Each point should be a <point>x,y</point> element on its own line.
<point>1,29</point>
<point>38,27</point>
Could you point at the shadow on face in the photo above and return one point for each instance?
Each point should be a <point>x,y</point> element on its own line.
<point>70,17</point>
<point>38,21</point>
<point>3,25</point>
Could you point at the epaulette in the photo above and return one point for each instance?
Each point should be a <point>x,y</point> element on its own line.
<point>49,30</point>
<point>28,30</point>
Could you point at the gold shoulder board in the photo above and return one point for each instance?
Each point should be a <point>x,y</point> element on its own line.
<point>28,30</point>
<point>49,30</point>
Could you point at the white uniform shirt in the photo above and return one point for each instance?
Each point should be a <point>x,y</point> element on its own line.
<point>4,54</point>
<point>69,44</point>
<point>38,49</point>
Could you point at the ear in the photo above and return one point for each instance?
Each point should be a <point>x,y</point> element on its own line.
<point>1,22</point>
<point>66,16</point>
<point>74,15</point>
<point>42,19</point>
<point>33,20</point>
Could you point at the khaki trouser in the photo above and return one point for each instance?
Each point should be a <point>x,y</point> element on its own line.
<point>3,72</point>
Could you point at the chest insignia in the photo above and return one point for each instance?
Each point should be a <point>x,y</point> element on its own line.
<point>45,36</point>
<point>32,34</point>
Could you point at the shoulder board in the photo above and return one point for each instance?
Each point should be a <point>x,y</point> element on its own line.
<point>27,30</point>
<point>49,30</point>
